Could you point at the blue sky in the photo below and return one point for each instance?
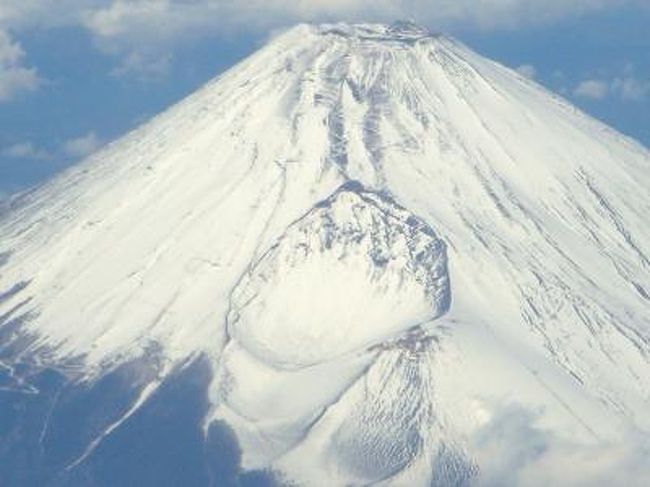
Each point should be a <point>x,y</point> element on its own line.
<point>75,74</point>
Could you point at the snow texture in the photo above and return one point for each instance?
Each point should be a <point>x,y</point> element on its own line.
<point>379,239</point>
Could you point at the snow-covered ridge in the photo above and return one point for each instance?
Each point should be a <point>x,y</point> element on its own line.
<point>355,275</point>
<point>399,31</point>
<point>356,270</point>
<point>433,173</point>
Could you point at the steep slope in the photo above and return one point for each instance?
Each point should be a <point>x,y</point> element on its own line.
<point>377,240</point>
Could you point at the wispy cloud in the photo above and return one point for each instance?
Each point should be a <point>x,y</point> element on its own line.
<point>144,66</point>
<point>15,78</point>
<point>527,70</point>
<point>592,88</point>
<point>627,87</point>
<point>513,450</point>
<point>82,146</point>
<point>25,150</point>
<point>631,88</point>
<point>76,147</point>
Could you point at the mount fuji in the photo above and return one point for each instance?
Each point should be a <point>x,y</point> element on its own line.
<point>363,256</point>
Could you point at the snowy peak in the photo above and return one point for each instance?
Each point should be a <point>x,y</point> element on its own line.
<point>376,237</point>
<point>404,31</point>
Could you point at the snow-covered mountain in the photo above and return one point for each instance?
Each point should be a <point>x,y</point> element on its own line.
<point>364,255</point>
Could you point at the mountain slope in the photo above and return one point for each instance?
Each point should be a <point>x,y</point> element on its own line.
<point>377,239</point>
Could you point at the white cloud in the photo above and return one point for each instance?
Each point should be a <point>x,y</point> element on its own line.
<point>592,88</point>
<point>627,88</point>
<point>82,146</point>
<point>143,32</point>
<point>14,76</point>
<point>527,70</point>
<point>25,150</point>
<point>169,18</point>
<point>513,450</point>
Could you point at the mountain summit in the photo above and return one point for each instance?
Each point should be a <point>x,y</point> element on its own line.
<point>364,255</point>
